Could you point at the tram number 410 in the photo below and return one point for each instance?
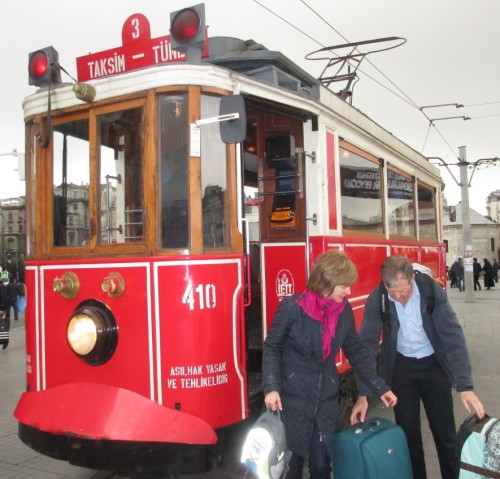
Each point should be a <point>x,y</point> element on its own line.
<point>201,297</point>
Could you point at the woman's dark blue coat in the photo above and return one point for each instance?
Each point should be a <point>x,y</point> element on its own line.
<point>293,365</point>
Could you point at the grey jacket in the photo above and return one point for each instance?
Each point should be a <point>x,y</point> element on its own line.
<point>441,327</point>
<point>293,365</point>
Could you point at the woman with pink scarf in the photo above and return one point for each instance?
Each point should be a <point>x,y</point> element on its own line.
<point>299,373</point>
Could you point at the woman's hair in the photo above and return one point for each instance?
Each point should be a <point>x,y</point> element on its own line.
<point>331,269</point>
<point>392,267</point>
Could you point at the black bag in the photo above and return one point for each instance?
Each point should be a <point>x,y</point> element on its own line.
<point>478,442</point>
<point>4,330</point>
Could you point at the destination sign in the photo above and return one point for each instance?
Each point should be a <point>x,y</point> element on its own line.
<point>139,50</point>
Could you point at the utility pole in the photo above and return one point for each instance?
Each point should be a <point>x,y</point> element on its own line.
<point>467,234</point>
<point>466,231</point>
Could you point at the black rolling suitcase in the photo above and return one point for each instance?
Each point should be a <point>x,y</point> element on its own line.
<point>478,443</point>
<point>4,331</point>
<point>374,449</point>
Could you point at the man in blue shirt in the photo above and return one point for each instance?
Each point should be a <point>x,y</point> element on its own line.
<point>423,355</point>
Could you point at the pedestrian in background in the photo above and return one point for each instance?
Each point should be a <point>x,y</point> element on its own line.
<point>460,275</point>
<point>489,282</point>
<point>495,270</point>
<point>453,274</point>
<point>4,322</point>
<point>298,371</point>
<point>476,271</point>
<point>423,354</point>
<point>14,289</point>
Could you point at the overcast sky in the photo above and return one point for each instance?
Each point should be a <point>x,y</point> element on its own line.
<point>451,56</point>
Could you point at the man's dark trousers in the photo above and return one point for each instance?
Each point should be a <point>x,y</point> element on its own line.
<point>424,379</point>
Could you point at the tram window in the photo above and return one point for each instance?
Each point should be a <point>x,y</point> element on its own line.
<point>120,171</point>
<point>426,212</point>
<point>361,193</point>
<point>70,213</point>
<point>173,152</point>
<point>213,178</point>
<point>400,204</point>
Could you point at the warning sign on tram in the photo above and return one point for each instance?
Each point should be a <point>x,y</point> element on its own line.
<point>139,50</point>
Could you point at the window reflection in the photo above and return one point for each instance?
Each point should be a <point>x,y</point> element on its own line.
<point>426,212</point>
<point>120,172</point>
<point>174,170</point>
<point>361,193</point>
<point>70,214</point>
<point>213,177</point>
<point>400,204</point>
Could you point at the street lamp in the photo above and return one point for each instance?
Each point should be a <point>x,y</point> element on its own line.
<point>20,161</point>
<point>467,234</point>
<point>14,152</point>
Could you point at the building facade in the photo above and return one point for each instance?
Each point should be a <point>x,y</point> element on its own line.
<point>13,235</point>
<point>485,236</point>
<point>493,206</point>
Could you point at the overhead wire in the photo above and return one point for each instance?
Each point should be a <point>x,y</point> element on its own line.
<point>403,95</point>
<point>483,104</point>
<point>408,99</point>
<point>288,23</point>
<point>484,116</point>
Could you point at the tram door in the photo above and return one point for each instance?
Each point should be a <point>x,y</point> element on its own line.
<point>275,214</point>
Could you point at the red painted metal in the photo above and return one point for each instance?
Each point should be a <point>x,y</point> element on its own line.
<point>180,346</point>
<point>117,415</point>
<point>332,181</point>
<point>285,274</point>
<point>139,50</point>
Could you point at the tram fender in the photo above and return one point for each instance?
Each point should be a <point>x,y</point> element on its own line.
<point>104,412</point>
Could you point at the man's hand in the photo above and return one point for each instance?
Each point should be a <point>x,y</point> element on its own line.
<point>469,399</point>
<point>389,399</point>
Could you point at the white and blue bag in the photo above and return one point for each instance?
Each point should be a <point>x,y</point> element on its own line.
<point>264,450</point>
<point>479,448</point>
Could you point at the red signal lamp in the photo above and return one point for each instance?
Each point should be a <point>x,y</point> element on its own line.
<point>187,29</point>
<point>43,67</point>
<point>186,25</point>
<point>38,65</point>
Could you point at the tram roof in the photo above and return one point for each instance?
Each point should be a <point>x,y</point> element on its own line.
<point>255,60</point>
<point>244,57</point>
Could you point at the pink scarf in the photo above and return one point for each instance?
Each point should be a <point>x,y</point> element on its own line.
<point>324,310</point>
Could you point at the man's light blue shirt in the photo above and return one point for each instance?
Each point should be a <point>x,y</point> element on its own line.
<point>412,340</point>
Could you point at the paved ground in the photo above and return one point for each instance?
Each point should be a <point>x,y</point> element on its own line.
<point>480,320</point>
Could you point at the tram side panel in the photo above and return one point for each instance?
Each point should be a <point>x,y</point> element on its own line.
<point>32,329</point>
<point>284,275</point>
<point>180,340</point>
<point>200,339</point>
<point>50,360</point>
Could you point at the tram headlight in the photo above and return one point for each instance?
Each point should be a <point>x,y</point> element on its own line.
<point>92,332</point>
<point>82,334</point>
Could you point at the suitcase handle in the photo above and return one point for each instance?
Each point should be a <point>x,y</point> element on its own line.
<point>367,426</point>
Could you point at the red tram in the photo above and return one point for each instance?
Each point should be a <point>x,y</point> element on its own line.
<point>152,275</point>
